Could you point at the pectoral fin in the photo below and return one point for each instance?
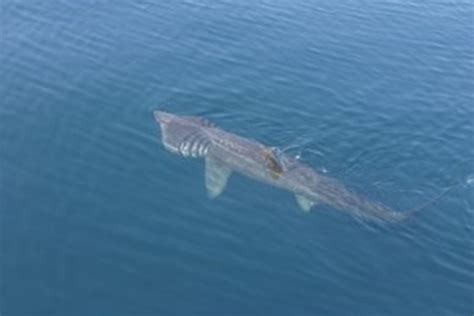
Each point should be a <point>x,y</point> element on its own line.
<point>304,203</point>
<point>216,177</point>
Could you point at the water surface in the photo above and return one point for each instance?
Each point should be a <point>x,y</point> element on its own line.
<point>97,218</point>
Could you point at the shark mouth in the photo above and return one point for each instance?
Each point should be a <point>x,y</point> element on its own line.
<point>188,139</point>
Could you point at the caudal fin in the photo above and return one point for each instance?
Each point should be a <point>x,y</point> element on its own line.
<point>417,209</point>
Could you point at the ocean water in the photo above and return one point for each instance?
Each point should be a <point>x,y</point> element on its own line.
<point>97,218</point>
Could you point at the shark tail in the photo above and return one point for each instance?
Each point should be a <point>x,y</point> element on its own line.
<point>407,215</point>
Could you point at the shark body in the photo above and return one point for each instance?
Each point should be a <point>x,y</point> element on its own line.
<point>225,153</point>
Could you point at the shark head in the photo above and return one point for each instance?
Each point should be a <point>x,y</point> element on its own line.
<point>183,135</point>
<point>164,117</point>
<point>174,130</point>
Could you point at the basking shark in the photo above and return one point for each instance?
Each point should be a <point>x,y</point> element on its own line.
<point>225,153</point>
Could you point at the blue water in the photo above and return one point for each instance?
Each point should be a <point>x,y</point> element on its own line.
<point>96,218</point>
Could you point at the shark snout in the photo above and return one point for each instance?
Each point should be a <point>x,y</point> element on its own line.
<point>163,117</point>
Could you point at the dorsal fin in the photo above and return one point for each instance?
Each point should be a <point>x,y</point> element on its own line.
<point>273,163</point>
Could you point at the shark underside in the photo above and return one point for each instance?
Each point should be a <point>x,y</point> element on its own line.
<point>225,153</point>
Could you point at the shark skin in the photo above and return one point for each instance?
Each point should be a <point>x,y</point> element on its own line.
<point>226,153</point>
